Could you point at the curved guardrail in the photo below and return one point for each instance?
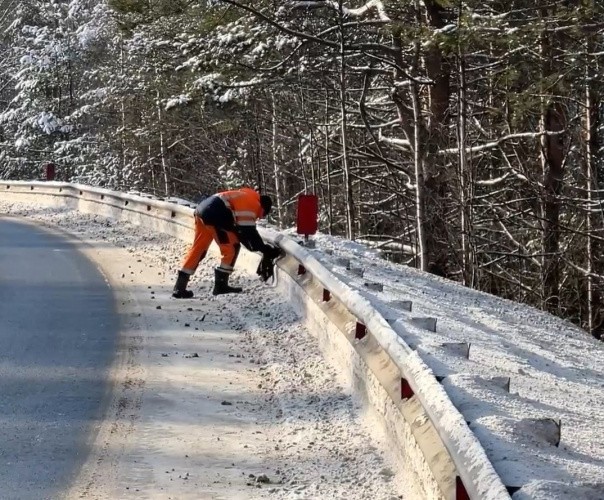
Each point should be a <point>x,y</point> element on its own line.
<point>401,373</point>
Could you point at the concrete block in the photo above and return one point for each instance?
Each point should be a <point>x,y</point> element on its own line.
<point>357,271</point>
<point>458,348</point>
<point>425,323</point>
<point>343,261</point>
<point>501,382</point>
<point>404,305</point>
<point>547,430</point>
<point>376,287</point>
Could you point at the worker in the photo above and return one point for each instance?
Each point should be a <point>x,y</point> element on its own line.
<point>228,218</point>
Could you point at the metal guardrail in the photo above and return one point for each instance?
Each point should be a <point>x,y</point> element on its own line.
<point>477,478</point>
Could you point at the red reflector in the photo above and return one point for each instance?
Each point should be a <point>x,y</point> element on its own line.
<point>406,391</point>
<point>360,331</point>
<point>460,490</point>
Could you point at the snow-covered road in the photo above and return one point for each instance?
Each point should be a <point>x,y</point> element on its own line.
<point>217,397</point>
<point>555,373</point>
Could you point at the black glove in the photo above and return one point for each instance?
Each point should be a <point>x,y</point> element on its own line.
<point>271,252</point>
<point>266,268</point>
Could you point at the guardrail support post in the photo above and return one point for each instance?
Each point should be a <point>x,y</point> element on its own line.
<point>406,390</point>
<point>460,490</point>
<point>360,331</point>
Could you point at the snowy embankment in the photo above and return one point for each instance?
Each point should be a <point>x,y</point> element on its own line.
<point>510,370</point>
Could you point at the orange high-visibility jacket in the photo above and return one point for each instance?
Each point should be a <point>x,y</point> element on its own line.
<point>245,205</point>
<point>237,211</point>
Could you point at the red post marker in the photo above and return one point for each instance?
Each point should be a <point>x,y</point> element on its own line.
<point>50,171</point>
<point>307,219</point>
<point>326,295</point>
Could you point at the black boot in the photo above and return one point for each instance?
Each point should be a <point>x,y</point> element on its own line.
<point>221,284</point>
<point>180,288</point>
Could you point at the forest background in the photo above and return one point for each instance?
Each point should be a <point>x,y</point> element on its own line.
<point>465,138</point>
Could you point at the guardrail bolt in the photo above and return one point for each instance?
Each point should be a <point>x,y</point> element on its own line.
<point>326,295</point>
<point>406,390</point>
<point>360,331</point>
<point>301,270</point>
<point>460,490</point>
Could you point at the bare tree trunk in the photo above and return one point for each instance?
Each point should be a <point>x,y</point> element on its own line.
<point>162,146</point>
<point>464,174</point>
<point>345,161</point>
<point>123,120</point>
<point>276,168</point>
<point>591,123</point>
<point>328,166</point>
<point>588,217</point>
<point>553,119</point>
<point>436,181</point>
<point>418,160</point>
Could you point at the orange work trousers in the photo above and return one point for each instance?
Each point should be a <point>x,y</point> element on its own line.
<point>227,241</point>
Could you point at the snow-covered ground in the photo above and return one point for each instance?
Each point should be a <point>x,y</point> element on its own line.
<point>217,397</point>
<point>555,370</point>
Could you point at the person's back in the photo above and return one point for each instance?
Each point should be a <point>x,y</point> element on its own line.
<point>245,203</point>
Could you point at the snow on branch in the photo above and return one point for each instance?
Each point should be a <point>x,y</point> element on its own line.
<point>400,143</point>
<point>375,5</point>
<point>497,142</point>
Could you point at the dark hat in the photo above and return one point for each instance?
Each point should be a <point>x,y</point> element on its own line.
<point>266,203</point>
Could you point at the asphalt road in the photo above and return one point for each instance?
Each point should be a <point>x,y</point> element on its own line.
<point>58,331</point>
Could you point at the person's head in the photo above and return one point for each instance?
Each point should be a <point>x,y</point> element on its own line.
<point>266,203</point>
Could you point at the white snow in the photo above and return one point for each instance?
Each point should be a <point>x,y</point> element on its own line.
<point>555,370</point>
<point>174,434</point>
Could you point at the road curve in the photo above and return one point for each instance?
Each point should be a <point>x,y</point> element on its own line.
<point>58,332</point>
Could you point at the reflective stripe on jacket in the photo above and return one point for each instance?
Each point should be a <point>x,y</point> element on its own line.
<point>245,205</point>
